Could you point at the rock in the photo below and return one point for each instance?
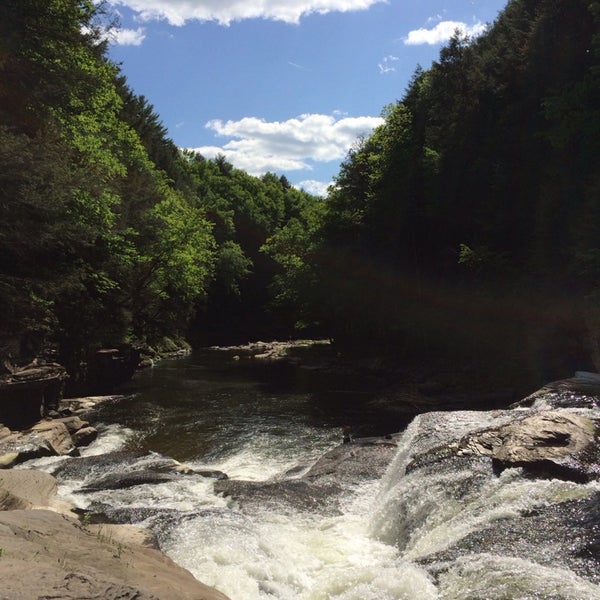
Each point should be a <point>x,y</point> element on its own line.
<point>117,481</point>
<point>365,458</point>
<point>124,534</point>
<point>580,391</point>
<point>296,493</point>
<point>26,447</point>
<point>72,423</point>
<point>50,437</point>
<point>26,488</point>
<point>573,526</point>
<point>323,485</point>
<point>84,436</point>
<point>551,443</point>
<point>57,434</point>
<point>47,555</point>
<point>85,404</point>
<point>8,460</point>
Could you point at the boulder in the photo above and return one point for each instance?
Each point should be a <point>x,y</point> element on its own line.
<point>553,443</point>
<point>47,555</point>
<point>84,436</point>
<point>26,488</point>
<point>46,438</point>
<point>118,481</point>
<point>57,433</point>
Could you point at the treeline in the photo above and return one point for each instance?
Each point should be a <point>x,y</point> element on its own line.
<point>109,233</point>
<point>468,224</point>
<point>466,227</point>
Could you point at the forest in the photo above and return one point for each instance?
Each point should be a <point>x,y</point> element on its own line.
<point>465,227</point>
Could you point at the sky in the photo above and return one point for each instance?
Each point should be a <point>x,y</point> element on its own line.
<point>286,86</point>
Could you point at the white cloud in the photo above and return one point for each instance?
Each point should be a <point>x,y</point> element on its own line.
<point>442,32</point>
<point>316,188</point>
<point>257,146</point>
<point>385,66</point>
<point>118,36</point>
<point>127,37</point>
<point>177,12</point>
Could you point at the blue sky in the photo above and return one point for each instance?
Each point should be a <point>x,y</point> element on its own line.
<point>284,86</point>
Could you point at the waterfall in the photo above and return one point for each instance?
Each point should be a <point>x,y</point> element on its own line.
<point>439,524</point>
<point>451,517</point>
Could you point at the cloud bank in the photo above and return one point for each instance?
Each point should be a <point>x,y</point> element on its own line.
<point>316,188</point>
<point>258,146</point>
<point>442,32</point>
<point>177,12</point>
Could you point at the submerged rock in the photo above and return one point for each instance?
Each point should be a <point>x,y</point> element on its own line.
<point>323,485</point>
<point>119,470</point>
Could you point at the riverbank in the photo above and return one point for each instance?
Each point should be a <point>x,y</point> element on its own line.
<point>47,551</point>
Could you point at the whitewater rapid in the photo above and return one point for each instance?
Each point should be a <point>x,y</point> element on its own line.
<point>381,546</point>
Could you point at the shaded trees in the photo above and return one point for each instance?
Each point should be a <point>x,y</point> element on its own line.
<point>475,200</point>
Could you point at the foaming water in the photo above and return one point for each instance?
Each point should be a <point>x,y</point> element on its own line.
<point>388,538</point>
<point>500,577</point>
<point>111,437</point>
<point>297,556</point>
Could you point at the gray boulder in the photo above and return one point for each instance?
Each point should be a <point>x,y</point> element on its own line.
<point>553,443</point>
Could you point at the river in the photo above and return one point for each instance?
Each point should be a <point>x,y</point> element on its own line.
<point>259,424</point>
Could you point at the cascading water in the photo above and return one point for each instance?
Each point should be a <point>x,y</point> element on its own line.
<point>416,534</point>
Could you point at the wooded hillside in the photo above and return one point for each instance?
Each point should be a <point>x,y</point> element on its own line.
<point>109,233</point>
<point>468,224</point>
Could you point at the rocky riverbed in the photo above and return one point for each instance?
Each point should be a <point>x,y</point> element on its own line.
<point>482,501</point>
<point>48,551</point>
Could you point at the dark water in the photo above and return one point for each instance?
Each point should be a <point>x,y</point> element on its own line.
<point>204,406</point>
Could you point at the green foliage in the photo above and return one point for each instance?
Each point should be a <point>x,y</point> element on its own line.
<point>108,232</point>
<point>482,180</point>
<point>97,247</point>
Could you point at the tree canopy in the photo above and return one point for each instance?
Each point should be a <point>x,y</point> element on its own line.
<point>468,222</point>
<point>109,233</point>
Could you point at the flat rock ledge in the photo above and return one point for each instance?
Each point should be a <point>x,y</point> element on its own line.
<point>46,554</point>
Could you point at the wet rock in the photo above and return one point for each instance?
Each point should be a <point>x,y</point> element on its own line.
<point>558,444</point>
<point>323,485</point>
<point>295,494</point>
<point>118,481</point>
<point>79,468</point>
<point>84,436</point>
<point>580,391</point>
<point>118,470</point>
<point>57,435</point>
<point>20,448</point>
<point>86,404</point>
<point>365,458</point>
<point>573,526</point>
